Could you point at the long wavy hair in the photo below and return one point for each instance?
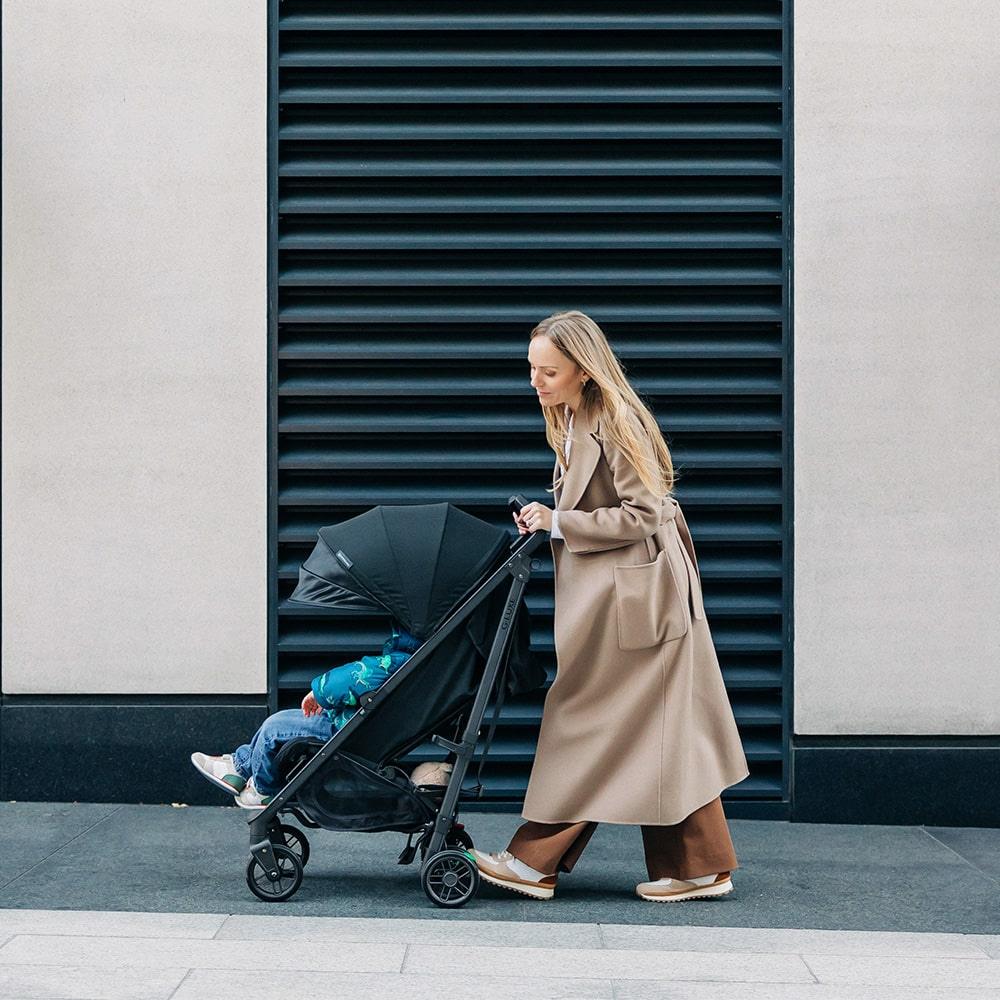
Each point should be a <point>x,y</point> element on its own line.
<point>625,418</point>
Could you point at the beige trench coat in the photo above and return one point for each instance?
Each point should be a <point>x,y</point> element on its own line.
<point>637,726</point>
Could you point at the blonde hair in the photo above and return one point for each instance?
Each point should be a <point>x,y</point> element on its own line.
<point>625,418</point>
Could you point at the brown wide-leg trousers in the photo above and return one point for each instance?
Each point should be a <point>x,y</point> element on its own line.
<point>698,845</point>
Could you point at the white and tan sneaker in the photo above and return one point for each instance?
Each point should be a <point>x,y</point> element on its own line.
<point>506,871</point>
<point>675,890</point>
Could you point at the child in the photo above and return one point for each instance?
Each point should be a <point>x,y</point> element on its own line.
<point>248,772</point>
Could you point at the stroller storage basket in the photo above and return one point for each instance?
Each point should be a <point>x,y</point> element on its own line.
<point>353,794</point>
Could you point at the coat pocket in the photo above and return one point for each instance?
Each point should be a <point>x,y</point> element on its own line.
<point>651,607</point>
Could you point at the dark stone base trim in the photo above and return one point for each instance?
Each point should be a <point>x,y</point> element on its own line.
<point>897,780</point>
<point>117,750</point>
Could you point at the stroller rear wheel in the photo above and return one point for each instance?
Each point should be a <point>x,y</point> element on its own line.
<point>450,878</point>
<point>459,839</point>
<point>280,884</point>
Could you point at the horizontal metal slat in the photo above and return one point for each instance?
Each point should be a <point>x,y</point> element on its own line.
<point>472,494</point>
<point>729,606</point>
<point>756,786</point>
<point>483,159</point>
<point>512,788</point>
<point>521,195</point>
<point>509,749</point>
<point>749,308</point>
<point>726,637</point>
<point>421,202</point>
<point>509,48</point>
<point>752,678</point>
<point>391,344</point>
<point>715,528</point>
<point>301,379</point>
<point>298,674</point>
<point>471,414</point>
<point>633,231</point>
<point>719,16</point>
<point>333,270</point>
<point>334,424</point>
<point>747,566</point>
<point>529,86</point>
<point>739,451</point>
<point>751,710</point>
<point>529,121</point>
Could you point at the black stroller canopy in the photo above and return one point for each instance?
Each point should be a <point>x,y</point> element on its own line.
<point>414,561</point>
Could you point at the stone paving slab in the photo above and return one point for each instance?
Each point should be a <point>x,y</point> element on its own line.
<point>814,942</point>
<point>64,982</point>
<point>571,963</point>
<point>785,991</point>
<point>171,953</point>
<point>111,923</point>
<point>208,985</point>
<point>917,972</point>
<point>437,929</point>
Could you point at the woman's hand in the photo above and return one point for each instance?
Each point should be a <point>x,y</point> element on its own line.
<point>533,517</point>
<point>310,706</point>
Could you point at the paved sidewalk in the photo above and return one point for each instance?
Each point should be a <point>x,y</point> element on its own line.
<point>165,956</point>
<point>101,902</point>
<point>840,877</point>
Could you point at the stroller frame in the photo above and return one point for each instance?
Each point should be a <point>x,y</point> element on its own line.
<point>457,876</point>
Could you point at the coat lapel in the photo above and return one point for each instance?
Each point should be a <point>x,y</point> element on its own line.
<point>583,456</point>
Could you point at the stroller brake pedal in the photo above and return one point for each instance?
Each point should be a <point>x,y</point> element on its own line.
<point>409,852</point>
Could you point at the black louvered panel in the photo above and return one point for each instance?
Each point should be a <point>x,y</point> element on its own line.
<point>445,175</point>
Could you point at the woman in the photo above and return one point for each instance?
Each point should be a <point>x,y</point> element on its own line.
<point>637,727</point>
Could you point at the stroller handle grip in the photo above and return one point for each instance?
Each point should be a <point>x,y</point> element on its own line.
<point>516,502</point>
<point>531,540</point>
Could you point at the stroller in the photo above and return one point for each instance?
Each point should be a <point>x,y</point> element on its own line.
<point>438,571</point>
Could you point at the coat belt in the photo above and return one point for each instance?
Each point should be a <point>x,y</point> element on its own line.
<point>669,510</point>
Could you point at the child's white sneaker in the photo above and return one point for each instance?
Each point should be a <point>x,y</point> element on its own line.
<point>220,771</point>
<point>250,798</point>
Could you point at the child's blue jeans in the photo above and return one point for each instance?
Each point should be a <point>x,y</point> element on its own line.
<point>256,758</point>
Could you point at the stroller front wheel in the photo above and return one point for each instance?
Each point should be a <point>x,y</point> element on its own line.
<point>450,878</point>
<point>295,840</point>
<point>280,884</point>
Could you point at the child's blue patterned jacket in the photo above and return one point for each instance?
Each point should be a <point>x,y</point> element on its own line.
<point>339,690</point>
